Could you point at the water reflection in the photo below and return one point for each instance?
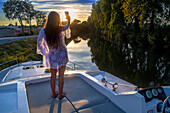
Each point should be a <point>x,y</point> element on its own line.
<point>141,67</point>
<point>80,54</point>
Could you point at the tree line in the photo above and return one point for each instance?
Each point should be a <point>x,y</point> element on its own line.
<point>131,39</point>
<point>132,19</point>
<point>135,65</point>
<point>23,10</point>
<point>112,14</point>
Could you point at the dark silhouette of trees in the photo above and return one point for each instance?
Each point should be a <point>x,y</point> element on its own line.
<point>15,9</point>
<point>40,17</point>
<point>131,39</point>
<point>23,10</point>
<point>30,13</point>
<point>114,14</point>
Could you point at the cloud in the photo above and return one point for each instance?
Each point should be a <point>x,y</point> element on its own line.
<point>63,1</point>
<point>79,8</point>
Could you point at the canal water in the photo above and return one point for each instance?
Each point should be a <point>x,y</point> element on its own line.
<point>128,64</point>
<point>80,54</point>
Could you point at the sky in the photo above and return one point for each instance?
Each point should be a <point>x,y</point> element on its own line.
<point>78,9</point>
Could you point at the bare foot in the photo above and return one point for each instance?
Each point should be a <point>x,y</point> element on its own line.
<point>54,96</point>
<point>62,96</point>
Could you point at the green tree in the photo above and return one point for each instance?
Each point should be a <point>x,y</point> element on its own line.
<point>117,21</point>
<point>146,12</point>
<point>97,18</point>
<point>30,13</point>
<point>74,28</point>
<point>158,12</point>
<point>40,17</point>
<point>15,9</point>
<point>134,12</point>
<point>105,6</point>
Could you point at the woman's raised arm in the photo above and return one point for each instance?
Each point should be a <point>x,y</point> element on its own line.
<point>68,19</point>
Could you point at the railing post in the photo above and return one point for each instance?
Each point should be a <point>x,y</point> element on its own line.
<point>8,62</point>
<point>17,61</point>
<point>74,66</point>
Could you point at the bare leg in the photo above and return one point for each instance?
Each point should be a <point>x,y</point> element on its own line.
<point>61,82</point>
<point>53,82</point>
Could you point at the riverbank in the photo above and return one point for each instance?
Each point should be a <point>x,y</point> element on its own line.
<point>23,50</point>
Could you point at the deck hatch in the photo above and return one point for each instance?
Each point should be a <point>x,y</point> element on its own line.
<point>79,93</point>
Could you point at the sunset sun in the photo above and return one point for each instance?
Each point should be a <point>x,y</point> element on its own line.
<point>71,13</point>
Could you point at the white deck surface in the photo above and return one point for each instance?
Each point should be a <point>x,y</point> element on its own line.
<point>9,97</point>
<point>84,98</point>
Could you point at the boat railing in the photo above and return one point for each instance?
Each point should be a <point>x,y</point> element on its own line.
<point>6,75</point>
<point>76,65</point>
<point>20,64</point>
<point>5,72</point>
<point>7,63</point>
<point>115,85</point>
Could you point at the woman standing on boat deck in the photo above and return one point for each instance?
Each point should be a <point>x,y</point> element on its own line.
<point>51,44</point>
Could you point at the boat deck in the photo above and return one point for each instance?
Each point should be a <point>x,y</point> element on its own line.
<point>81,98</point>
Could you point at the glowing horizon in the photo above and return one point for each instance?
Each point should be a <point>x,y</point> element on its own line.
<point>78,9</point>
<point>71,14</point>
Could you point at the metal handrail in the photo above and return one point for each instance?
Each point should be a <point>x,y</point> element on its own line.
<point>6,75</point>
<point>103,80</point>
<point>8,62</point>
<point>10,69</point>
<point>75,64</point>
<point>18,64</point>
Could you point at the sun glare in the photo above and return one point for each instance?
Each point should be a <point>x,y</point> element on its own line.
<point>71,13</point>
<point>71,44</point>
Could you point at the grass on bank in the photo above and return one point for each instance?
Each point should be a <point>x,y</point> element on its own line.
<point>22,50</point>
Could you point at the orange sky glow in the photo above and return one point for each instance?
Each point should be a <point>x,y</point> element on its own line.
<point>78,9</point>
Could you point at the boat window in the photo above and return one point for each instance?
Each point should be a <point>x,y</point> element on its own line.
<point>25,68</point>
<point>40,66</point>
